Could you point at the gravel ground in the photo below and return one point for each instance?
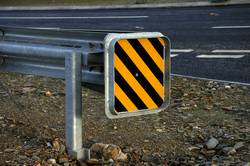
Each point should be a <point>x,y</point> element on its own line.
<point>206,124</point>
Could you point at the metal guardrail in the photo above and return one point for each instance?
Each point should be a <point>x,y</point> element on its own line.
<point>39,52</point>
<point>76,56</point>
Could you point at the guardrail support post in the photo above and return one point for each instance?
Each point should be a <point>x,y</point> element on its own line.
<point>73,107</point>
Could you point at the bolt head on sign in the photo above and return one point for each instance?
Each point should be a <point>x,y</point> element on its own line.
<point>137,74</point>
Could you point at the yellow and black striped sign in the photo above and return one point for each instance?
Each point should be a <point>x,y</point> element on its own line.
<point>139,73</point>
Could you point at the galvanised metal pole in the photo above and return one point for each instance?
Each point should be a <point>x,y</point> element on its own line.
<point>73,107</point>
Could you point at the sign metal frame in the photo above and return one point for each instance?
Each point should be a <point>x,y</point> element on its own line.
<point>110,41</point>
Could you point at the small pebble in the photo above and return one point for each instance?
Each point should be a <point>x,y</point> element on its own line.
<point>212,143</point>
<point>160,130</point>
<point>239,145</point>
<point>48,93</point>
<point>232,151</point>
<point>36,158</point>
<point>226,150</point>
<point>49,145</point>
<point>22,157</point>
<point>193,148</point>
<point>63,159</point>
<point>9,150</point>
<point>62,149</point>
<point>52,161</point>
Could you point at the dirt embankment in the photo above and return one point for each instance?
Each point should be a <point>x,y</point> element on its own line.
<point>207,123</point>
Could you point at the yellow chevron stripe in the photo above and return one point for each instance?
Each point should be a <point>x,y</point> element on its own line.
<point>134,84</point>
<point>127,103</point>
<point>140,64</point>
<point>161,40</point>
<point>153,53</point>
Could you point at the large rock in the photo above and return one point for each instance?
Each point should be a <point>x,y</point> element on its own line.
<point>108,151</point>
<point>52,161</point>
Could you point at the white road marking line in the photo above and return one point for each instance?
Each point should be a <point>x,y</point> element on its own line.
<point>173,55</point>
<point>182,50</point>
<point>44,28</point>
<point>81,29</point>
<point>209,79</point>
<point>230,27</point>
<point>139,27</point>
<point>179,51</point>
<point>231,51</point>
<point>220,56</point>
<point>54,18</point>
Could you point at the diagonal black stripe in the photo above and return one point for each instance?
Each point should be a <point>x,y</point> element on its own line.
<point>119,106</point>
<point>129,91</point>
<point>147,59</point>
<point>157,45</point>
<point>138,75</point>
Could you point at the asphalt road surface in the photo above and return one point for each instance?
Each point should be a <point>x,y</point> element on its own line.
<point>207,42</point>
